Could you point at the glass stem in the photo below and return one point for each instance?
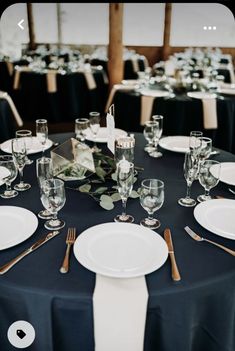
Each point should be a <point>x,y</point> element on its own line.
<point>188,190</point>
<point>21,175</point>
<point>207,192</point>
<point>8,186</point>
<point>124,207</point>
<point>150,216</point>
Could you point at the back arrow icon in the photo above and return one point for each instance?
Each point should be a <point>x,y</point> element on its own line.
<point>20,24</point>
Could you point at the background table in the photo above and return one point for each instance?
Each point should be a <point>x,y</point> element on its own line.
<point>196,314</point>
<point>7,121</point>
<point>181,115</point>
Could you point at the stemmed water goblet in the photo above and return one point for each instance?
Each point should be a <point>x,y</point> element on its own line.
<point>27,135</point>
<point>8,173</point>
<point>190,173</point>
<point>157,135</point>
<point>151,199</point>
<point>209,174</point>
<point>53,199</point>
<point>42,133</point>
<point>125,180</point>
<point>149,132</point>
<point>195,141</point>
<point>44,171</point>
<point>19,155</point>
<point>94,122</point>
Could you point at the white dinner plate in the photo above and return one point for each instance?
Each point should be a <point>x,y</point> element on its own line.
<point>201,95</point>
<point>226,91</point>
<point>120,250</point>
<point>34,149</point>
<point>102,136</point>
<point>176,143</point>
<point>4,172</point>
<point>217,216</point>
<point>227,172</point>
<point>17,225</point>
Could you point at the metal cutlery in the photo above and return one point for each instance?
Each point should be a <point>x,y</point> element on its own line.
<point>231,191</point>
<point>174,269</point>
<point>70,239</point>
<point>199,238</point>
<point>32,248</point>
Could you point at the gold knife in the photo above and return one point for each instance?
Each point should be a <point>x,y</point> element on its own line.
<point>32,248</point>
<point>174,269</point>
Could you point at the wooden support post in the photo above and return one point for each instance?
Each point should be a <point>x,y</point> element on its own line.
<point>32,44</point>
<point>58,10</point>
<point>167,29</point>
<point>115,49</point>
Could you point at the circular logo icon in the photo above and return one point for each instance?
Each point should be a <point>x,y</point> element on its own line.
<point>21,334</point>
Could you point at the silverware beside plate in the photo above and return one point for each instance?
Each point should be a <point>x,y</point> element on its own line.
<point>198,238</point>
<point>174,268</point>
<point>5,268</point>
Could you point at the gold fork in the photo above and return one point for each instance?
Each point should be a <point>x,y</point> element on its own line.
<point>70,239</point>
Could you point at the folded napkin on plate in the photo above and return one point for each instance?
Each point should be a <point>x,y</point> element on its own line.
<point>18,71</point>
<point>4,95</point>
<point>209,113</point>
<point>113,91</point>
<point>51,81</point>
<point>119,309</point>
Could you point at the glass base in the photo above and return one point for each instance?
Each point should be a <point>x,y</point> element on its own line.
<point>149,148</point>
<point>187,202</point>
<point>44,214</point>
<point>202,198</point>
<point>22,186</point>
<point>155,154</point>
<point>8,194</point>
<point>150,223</point>
<point>54,224</point>
<point>124,219</point>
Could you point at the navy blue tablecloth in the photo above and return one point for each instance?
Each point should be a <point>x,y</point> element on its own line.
<point>196,314</point>
<point>181,115</point>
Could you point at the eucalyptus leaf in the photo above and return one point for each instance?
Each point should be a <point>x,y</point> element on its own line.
<point>106,198</point>
<point>134,194</point>
<point>85,188</point>
<point>100,172</point>
<point>114,187</point>
<point>116,197</point>
<point>114,176</point>
<point>107,205</point>
<point>100,190</point>
<point>96,181</point>
<point>134,180</point>
<point>138,190</point>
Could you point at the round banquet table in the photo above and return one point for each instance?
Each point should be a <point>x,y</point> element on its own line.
<point>181,115</point>
<point>73,98</point>
<point>195,314</point>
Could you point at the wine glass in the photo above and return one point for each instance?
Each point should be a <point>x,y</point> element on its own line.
<point>53,199</point>
<point>208,177</point>
<point>190,173</point>
<point>44,171</point>
<point>8,173</point>
<point>149,132</point>
<point>151,199</point>
<point>19,155</point>
<point>195,141</point>
<point>157,135</point>
<point>81,127</point>
<point>27,135</point>
<point>125,180</point>
<point>42,132</point>
<point>94,121</point>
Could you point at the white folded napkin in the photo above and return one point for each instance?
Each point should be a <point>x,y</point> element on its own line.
<point>169,68</point>
<point>119,308</point>
<point>51,81</point>
<point>135,64</point>
<point>4,95</point>
<point>147,99</point>
<point>90,79</point>
<point>146,108</point>
<point>113,91</point>
<point>209,113</point>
